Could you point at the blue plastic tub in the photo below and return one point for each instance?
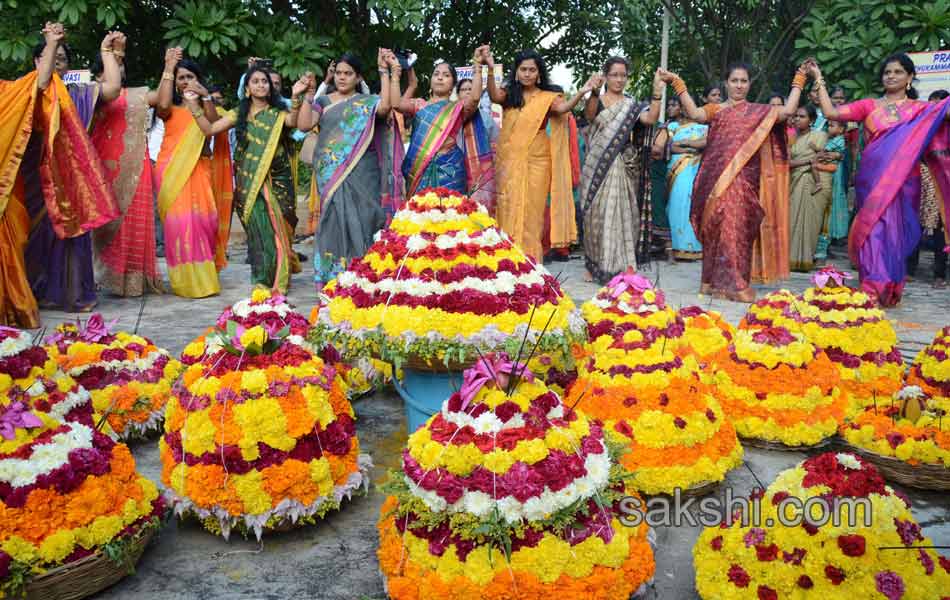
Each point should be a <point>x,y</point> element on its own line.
<point>424,393</point>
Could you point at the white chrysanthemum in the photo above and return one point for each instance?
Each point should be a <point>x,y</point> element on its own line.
<point>848,461</point>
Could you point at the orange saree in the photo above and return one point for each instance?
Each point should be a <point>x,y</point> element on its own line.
<point>740,198</point>
<point>534,165</point>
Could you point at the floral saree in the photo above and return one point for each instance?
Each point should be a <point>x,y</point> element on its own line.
<point>358,175</point>
<point>447,151</point>
<point>740,197</point>
<point>886,229</point>
<point>125,248</point>
<point>194,203</point>
<point>614,191</point>
<point>681,173</point>
<point>263,185</point>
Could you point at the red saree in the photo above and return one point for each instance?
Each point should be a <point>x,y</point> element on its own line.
<point>740,198</point>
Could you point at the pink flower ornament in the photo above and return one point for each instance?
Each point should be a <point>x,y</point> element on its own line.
<point>17,416</point>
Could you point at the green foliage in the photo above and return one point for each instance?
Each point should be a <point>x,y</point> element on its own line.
<point>850,38</point>
<point>204,28</point>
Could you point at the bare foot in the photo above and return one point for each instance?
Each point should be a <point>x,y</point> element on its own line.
<point>706,288</point>
<point>588,276</point>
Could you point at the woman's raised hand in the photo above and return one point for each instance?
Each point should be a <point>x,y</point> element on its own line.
<point>172,57</point>
<point>197,89</point>
<point>382,59</point>
<point>53,32</point>
<point>302,84</point>
<point>488,59</point>
<point>592,82</point>
<point>331,71</point>
<point>665,76</point>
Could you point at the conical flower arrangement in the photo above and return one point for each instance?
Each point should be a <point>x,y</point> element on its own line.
<point>508,493</point>
<point>128,377</point>
<point>880,554</point>
<point>856,336</point>
<point>67,494</point>
<point>770,310</point>
<point>260,435</point>
<point>778,388</point>
<point>441,284</point>
<point>707,333</point>
<point>641,379</point>
<point>931,370</point>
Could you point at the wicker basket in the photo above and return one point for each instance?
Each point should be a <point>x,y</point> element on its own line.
<point>434,365</point>
<point>770,445</point>
<point>921,476</point>
<point>87,576</point>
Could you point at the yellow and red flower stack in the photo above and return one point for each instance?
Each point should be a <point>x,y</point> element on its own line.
<point>641,379</point>
<point>707,333</point>
<point>260,435</point>
<point>880,554</point>
<point>441,283</point>
<point>776,386</point>
<point>486,488</point>
<point>770,310</point>
<point>128,377</point>
<point>66,492</point>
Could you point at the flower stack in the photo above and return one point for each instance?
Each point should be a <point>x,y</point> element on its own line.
<point>30,375</point>
<point>931,369</point>
<point>881,553</point>
<point>67,493</point>
<point>770,310</point>
<point>441,284</point>
<point>260,435</point>
<point>641,379</point>
<point>779,389</point>
<point>847,324</point>
<point>128,377</point>
<point>707,333</point>
<point>508,493</point>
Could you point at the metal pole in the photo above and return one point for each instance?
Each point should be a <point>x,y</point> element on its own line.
<point>665,55</point>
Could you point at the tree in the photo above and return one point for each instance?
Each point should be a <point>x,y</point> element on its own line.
<point>850,38</point>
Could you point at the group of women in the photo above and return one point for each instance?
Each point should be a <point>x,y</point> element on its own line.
<point>732,209</point>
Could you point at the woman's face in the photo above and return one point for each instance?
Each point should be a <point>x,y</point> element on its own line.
<point>714,96</point>
<point>838,98</point>
<point>673,110</point>
<point>528,73</point>
<point>617,77</point>
<point>345,78</point>
<point>776,101</point>
<point>442,82</point>
<point>802,120</point>
<point>183,78</point>
<point>895,78</point>
<point>737,86</point>
<point>465,90</point>
<point>258,85</point>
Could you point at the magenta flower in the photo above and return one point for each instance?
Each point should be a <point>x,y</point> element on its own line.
<point>628,280</point>
<point>830,273</point>
<point>890,584</point>
<point>17,415</point>
<point>494,368</point>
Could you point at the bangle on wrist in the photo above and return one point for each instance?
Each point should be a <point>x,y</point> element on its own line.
<point>657,98</point>
<point>119,53</point>
<point>679,86</point>
<point>197,113</point>
<point>799,80</point>
<point>166,76</point>
<point>106,51</point>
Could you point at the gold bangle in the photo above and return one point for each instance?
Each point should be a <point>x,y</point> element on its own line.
<point>106,51</point>
<point>119,53</point>
<point>295,102</point>
<point>166,76</point>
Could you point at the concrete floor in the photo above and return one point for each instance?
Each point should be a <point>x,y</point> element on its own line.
<point>336,559</point>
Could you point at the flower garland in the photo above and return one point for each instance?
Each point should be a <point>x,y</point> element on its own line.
<point>912,427</point>
<point>776,386</point>
<point>854,333</point>
<point>641,379</point>
<point>441,283</point>
<point>66,491</point>
<point>259,436</point>
<point>127,376</point>
<point>507,492</point>
<point>827,561</point>
<point>707,332</point>
<point>28,374</point>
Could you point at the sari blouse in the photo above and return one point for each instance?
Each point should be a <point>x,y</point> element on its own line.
<point>878,115</point>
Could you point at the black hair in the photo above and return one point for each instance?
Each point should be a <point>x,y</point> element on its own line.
<point>904,61</point>
<point>736,66</point>
<point>515,93</point>
<point>244,106</point>
<point>188,65</point>
<point>353,60</point>
<point>41,45</point>
<point>616,60</point>
<point>775,95</point>
<point>458,86</point>
<point>455,75</point>
<point>97,68</point>
<point>673,100</point>
<point>835,89</point>
<point>214,89</point>
<point>811,110</point>
<point>711,87</point>
<point>939,95</point>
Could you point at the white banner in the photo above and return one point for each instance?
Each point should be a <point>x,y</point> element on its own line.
<point>77,76</point>
<point>933,71</point>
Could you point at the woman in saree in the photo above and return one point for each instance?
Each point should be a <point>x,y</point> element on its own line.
<point>535,198</point>
<point>449,146</point>
<point>687,142</point>
<point>195,185</point>
<point>615,182</point>
<point>126,262</point>
<point>900,131</point>
<point>59,265</point>
<point>740,197</point>
<point>810,190</point>
<point>356,164</point>
<point>264,180</point>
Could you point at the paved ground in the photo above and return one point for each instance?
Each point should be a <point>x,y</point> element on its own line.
<point>335,559</point>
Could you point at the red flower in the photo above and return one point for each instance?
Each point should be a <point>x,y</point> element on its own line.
<point>716,543</point>
<point>805,582</point>
<point>767,593</point>
<point>710,415</point>
<point>766,553</point>
<point>851,545</point>
<point>794,557</point>
<point>834,574</point>
<point>944,562</point>
<point>679,422</point>
<point>894,438</point>
<point>738,576</point>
